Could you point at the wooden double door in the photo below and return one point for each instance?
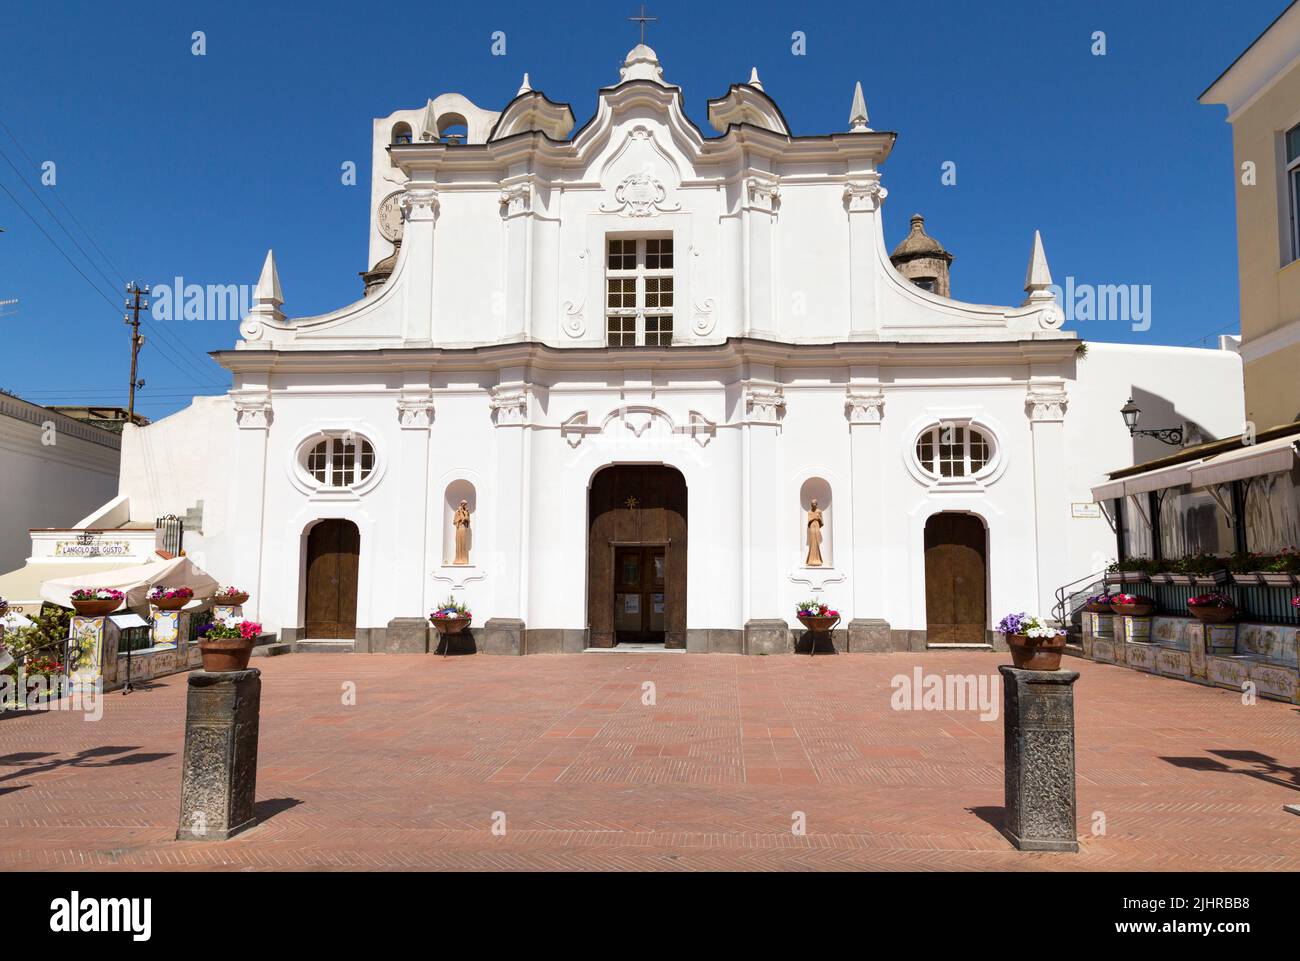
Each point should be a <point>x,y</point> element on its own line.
<point>640,594</point>
<point>333,553</point>
<point>956,579</point>
<point>636,556</point>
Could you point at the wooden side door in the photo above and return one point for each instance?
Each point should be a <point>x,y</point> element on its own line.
<point>333,555</point>
<point>955,579</point>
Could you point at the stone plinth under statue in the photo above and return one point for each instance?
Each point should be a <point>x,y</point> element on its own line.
<point>219,771</point>
<point>1038,726</point>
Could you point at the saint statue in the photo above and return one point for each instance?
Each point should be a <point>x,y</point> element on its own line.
<point>461,521</point>
<point>814,535</point>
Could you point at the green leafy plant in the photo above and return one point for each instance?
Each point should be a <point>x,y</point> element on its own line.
<point>45,636</point>
<point>1134,565</point>
<point>1288,562</point>
<point>1197,564</point>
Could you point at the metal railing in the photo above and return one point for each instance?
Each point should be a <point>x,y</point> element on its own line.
<point>1070,597</point>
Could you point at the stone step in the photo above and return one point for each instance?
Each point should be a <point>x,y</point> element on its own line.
<point>937,646</point>
<point>273,650</point>
<point>317,646</point>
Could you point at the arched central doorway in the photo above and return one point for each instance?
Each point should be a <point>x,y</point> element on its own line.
<point>636,557</point>
<point>333,552</point>
<point>956,579</point>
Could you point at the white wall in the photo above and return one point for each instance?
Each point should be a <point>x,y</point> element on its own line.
<point>48,485</point>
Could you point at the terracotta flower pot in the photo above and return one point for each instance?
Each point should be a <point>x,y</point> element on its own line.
<point>226,653</point>
<point>234,600</point>
<point>1097,608</point>
<point>95,608</point>
<point>818,623</point>
<point>450,625</point>
<point>1036,653</point>
<point>1212,615</point>
<point>1134,610</point>
<point>171,603</point>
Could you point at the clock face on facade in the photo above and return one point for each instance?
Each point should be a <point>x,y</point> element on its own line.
<point>389,217</point>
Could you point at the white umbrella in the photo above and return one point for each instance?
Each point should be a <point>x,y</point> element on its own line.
<point>135,582</point>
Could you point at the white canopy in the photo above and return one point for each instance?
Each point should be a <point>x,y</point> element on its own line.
<point>1267,457</point>
<point>1172,476</point>
<point>135,582</point>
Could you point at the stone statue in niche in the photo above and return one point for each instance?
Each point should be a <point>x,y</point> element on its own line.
<point>461,522</point>
<point>815,523</point>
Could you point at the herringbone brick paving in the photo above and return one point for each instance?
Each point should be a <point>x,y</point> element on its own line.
<point>709,776</point>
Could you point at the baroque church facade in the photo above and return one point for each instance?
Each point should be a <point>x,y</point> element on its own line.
<point>674,384</point>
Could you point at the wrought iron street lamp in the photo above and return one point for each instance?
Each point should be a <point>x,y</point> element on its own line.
<point>1166,435</point>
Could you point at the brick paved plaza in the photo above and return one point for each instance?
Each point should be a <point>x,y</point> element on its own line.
<point>707,778</point>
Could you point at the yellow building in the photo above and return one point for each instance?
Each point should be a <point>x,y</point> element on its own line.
<point>1261,90</point>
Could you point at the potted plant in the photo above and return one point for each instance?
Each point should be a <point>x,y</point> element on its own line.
<point>1135,605</point>
<point>1035,645</point>
<point>1164,575</point>
<point>1243,569</point>
<point>227,647</point>
<point>1205,570</point>
<point>1281,569</point>
<point>1131,570</point>
<point>451,617</point>
<point>96,601</point>
<point>816,616</point>
<point>1212,608</point>
<point>1099,603</point>
<point>170,598</point>
<point>231,596</point>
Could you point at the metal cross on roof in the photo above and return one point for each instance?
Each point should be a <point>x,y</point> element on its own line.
<point>643,20</point>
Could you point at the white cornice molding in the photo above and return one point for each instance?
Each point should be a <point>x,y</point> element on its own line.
<point>1272,55</point>
<point>733,352</point>
<point>1285,336</point>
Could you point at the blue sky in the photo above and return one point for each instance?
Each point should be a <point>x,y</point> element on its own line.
<point>187,165</point>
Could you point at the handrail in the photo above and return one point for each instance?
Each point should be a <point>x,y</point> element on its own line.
<point>1059,612</point>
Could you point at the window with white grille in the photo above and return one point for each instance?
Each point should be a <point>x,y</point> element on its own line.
<point>342,461</point>
<point>639,291</point>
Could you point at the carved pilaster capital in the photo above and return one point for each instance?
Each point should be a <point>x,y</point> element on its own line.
<point>415,410</point>
<point>763,192</point>
<point>864,195</point>
<point>764,403</point>
<point>1046,404</point>
<point>509,404</point>
<point>864,406</point>
<point>420,204</point>
<point>516,199</point>
<point>252,409</point>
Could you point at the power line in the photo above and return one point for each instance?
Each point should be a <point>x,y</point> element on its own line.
<point>89,236</point>
<point>31,190</point>
<point>95,287</point>
<point>163,332</point>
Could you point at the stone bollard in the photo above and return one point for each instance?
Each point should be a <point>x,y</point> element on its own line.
<point>219,772</point>
<point>1038,743</point>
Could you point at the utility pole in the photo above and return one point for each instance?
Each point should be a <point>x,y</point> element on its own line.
<point>135,304</point>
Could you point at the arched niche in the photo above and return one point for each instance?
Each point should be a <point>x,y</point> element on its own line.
<point>457,491</point>
<point>401,133</point>
<point>818,489</point>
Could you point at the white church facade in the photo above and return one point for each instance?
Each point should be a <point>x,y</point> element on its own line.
<point>638,352</point>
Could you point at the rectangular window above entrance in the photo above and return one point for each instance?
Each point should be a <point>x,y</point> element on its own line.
<point>639,291</point>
